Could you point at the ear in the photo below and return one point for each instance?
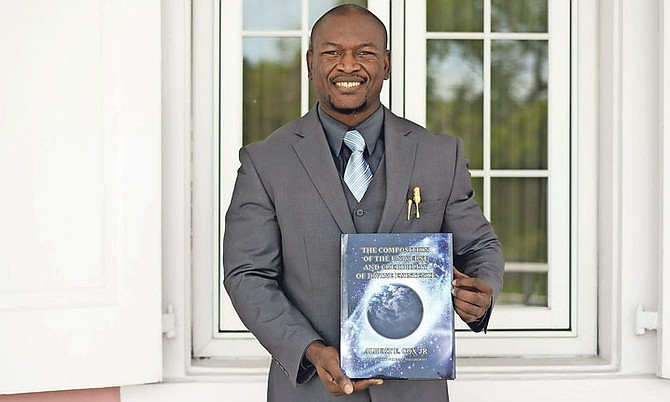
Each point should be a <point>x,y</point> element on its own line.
<point>387,65</point>
<point>309,56</point>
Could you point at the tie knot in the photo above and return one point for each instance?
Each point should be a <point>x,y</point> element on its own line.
<point>354,140</point>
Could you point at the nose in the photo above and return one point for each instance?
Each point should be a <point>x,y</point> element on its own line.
<point>348,62</point>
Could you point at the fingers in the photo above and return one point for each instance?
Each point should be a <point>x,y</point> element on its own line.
<point>473,285</point>
<point>345,386</point>
<point>470,303</point>
<point>472,296</point>
<point>327,363</point>
<point>336,387</point>
<point>467,311</point>
<point>343,383</point>
<point>458,274</point>
<point>361,385</point>
<point>351,387</point>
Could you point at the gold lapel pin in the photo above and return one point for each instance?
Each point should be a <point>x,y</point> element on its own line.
<point>417,200</point>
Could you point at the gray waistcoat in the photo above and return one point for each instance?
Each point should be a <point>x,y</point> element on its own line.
<point>368,213</point>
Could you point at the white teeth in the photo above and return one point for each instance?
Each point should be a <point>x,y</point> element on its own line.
<point>347,84</point>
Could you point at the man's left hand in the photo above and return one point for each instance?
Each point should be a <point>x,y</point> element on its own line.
<point>472,296</point>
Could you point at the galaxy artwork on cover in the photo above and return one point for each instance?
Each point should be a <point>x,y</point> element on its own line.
<point>397,316</point>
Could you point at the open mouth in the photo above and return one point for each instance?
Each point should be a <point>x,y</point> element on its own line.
<point>347,84</point>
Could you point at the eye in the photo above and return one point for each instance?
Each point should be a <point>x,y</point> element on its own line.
<point>366,54</point>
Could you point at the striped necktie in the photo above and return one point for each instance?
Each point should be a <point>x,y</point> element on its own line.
<point>357,175</point>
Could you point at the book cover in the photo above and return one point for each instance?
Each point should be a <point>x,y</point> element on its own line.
<point>397,316</point>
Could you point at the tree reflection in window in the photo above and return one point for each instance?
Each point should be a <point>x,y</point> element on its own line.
<point>271,79</point>
<point>272,65</point>
<point>518,133</point>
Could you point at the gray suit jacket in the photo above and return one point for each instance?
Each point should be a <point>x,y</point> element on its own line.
<point>282,233</point>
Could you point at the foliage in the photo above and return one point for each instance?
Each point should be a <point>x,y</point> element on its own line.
<point>271,93</point>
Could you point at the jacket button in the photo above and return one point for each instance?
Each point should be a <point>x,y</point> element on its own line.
<point>360,212</point>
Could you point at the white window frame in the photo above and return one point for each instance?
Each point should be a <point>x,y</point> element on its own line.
<point>580,337</point>
<point>664,243</point>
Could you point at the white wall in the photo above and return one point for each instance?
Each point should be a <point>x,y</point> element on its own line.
<point>80,194</point>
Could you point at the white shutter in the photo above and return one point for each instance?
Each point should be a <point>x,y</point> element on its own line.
<point>664,271</point>
<point>80,162</point>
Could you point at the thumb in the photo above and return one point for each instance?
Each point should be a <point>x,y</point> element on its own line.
<point>458,274</point>
<point>345,384</point>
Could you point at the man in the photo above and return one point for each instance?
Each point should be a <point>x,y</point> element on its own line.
<point>292,201</point>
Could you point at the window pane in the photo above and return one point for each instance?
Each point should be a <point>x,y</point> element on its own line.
<point>519,216</point>
<point>519,104</point>
<point>454,93</point>
<point>519,16</point>
<point>271,14</point>
<point>271,85</point>
<point>454,16</point>
<point>318,7</point>
<point>524,288</point>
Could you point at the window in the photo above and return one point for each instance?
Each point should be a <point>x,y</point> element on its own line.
<point>495,73</point>
<point>482,72</point>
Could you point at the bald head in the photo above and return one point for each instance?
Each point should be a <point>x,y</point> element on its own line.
<point>344,10</point>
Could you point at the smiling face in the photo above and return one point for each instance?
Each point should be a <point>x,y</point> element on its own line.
<point>348,64</point>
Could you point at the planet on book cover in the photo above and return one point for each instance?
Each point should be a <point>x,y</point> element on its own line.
<point>397,315</point>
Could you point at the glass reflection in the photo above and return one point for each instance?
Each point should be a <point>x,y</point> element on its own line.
<point>318,7</point>
<point>519,215</point>
<point>271,15</point>
<point>454,16</point>
<point>454,93</point>
<point>519,15</point>
<point>519,104</point>
<point>524,288</point>
<point>271,80</point>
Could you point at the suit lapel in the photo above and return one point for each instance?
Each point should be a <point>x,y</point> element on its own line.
<point>315,155</point>
<point>400,151</point>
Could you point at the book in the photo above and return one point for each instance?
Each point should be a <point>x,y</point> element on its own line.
<point>397,315</point>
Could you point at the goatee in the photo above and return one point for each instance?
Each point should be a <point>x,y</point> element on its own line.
<point>356,110</point>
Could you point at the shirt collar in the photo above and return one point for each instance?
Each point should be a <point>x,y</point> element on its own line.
<point>370,129</point>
